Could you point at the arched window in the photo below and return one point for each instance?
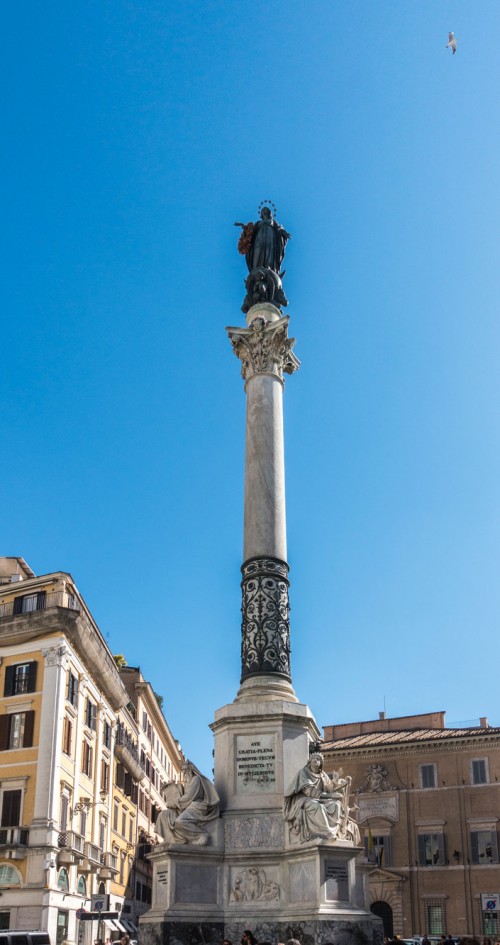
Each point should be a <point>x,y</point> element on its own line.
<point>62,880</point>
<point>102,889</point>
<point>9,876</point>
<point>82,886</point>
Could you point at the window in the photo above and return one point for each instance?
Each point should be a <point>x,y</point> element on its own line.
<point>484,847</point>
<point>479,771</point>
<point>4,921</point>
<point>21,677</point>
<point>62,926</point>
<point>72,691</point>
<point>104,777</point>
<point>67,735</point>
<point>91,715</point>
<point>488,923</point>
<point>431,849</point>
<point>380,852</point>
<point>102,834</point>
<point>436,917</point>
<point>11,808</point>
<point>124,822</point>
<point>16,730</point>
<point>122,868</point>
<point>82,886</point>
<point>87,756</point>
<point>428,776</point>
<point>144,721</point>
<point>62,880</point>
<point>131,829</point>
<point>9,876</point>
<point>83,823</point>
<point>116,812</point>
<point>63,818</point>
<point>29,602</point>
<point>106,735</point>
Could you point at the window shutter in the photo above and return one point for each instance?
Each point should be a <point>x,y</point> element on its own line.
<point>120,776</point>
<point>387,851</point>
<point>127,784</point>
<point>29,725</point>
<point>4,732</point>
<point>9,679</point>
<point>134,793</point>
<point>11,808</point>
<point>64,812</point>
<point>421,849</point>
<point>473,847</point>
<point>442,851</point>
<point>18,605</point>
<point>32,677</point>
<point>40,600</point>
<point>494,846</point>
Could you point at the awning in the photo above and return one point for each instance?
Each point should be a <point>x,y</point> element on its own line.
<point>118,925</point>
<point>108,925</point>
<point>131,928</point>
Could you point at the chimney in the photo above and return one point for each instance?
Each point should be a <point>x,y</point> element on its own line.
<point>381,715</point>
<point>483,722</point>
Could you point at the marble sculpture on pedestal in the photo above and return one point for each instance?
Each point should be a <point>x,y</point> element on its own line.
<point>317,805</point>
<point>191,805</point>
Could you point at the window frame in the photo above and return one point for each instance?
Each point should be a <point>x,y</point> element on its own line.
<point>422,848</point>
<point>479,761</point>
<point>474,845</point>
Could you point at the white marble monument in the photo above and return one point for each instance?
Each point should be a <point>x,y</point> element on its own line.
<point>282,857</point>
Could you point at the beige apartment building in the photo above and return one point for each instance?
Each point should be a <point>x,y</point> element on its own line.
<point>74,771</point>
<point>160,756</point>
<point>429,811</point>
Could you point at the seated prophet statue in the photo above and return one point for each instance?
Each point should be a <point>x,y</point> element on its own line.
<point>191,805</point>
<point>317,806</point>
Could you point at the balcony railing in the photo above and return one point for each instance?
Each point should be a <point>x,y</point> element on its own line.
<point>93,853</point>
<point>124,740</point>
<point>14,836</point>
<point>127,752</point>
<point>38,601</point>
<point>110,861</point>
<point>69,840</point>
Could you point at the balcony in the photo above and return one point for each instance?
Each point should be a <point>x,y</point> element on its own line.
<point>14,839</point>
<point>93,854</point>
<point>128,754</point>
<point>71,847</point>
<point>110,862</point>
<point>27,603</point>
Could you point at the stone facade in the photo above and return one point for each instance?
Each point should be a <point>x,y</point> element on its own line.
<point>70,765</point>
<point>429,810</point>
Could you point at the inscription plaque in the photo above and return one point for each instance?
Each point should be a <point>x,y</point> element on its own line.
<point>337,886</point>
<point>378,805</point>
<point>255,764</point>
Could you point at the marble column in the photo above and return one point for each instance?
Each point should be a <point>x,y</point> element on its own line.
<point>265,351</point>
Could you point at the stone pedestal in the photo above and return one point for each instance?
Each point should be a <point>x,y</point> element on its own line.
<point>255,873</point>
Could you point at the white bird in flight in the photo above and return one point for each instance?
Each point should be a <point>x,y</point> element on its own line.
<point>452,43</point>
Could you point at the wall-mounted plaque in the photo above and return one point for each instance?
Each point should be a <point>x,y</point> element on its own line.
<point>378,805</point>
<point>256,764</point>
<point>337,885</point>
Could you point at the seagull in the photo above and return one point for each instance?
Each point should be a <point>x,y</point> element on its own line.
<point>452,43</point>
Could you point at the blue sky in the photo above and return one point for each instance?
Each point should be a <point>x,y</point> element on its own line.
<point>134,135</point>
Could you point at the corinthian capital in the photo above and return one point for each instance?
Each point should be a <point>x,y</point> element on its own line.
<point>264,347</point>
